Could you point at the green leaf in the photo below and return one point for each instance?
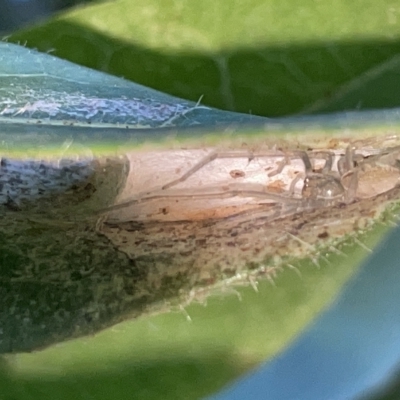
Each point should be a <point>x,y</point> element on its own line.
<point>265,57</point>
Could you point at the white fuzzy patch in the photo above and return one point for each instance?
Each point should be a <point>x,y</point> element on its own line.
<point>77,106</point>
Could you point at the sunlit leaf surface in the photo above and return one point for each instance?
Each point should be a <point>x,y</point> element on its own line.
<point>258,58</point>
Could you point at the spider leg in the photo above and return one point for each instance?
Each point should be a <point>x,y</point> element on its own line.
<point>346,167</point>
<point>346,163</point>
<point>213,156</point>
<point>206,160</point>
<point>351,191</point>
<point>285,161</point>
<point>328,157</point>
<point>294,182</point>
<point>307,165</point>
<point>240,190</point>
<point>303,155</point>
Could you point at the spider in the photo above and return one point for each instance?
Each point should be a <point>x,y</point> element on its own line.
<point>336,181</point>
